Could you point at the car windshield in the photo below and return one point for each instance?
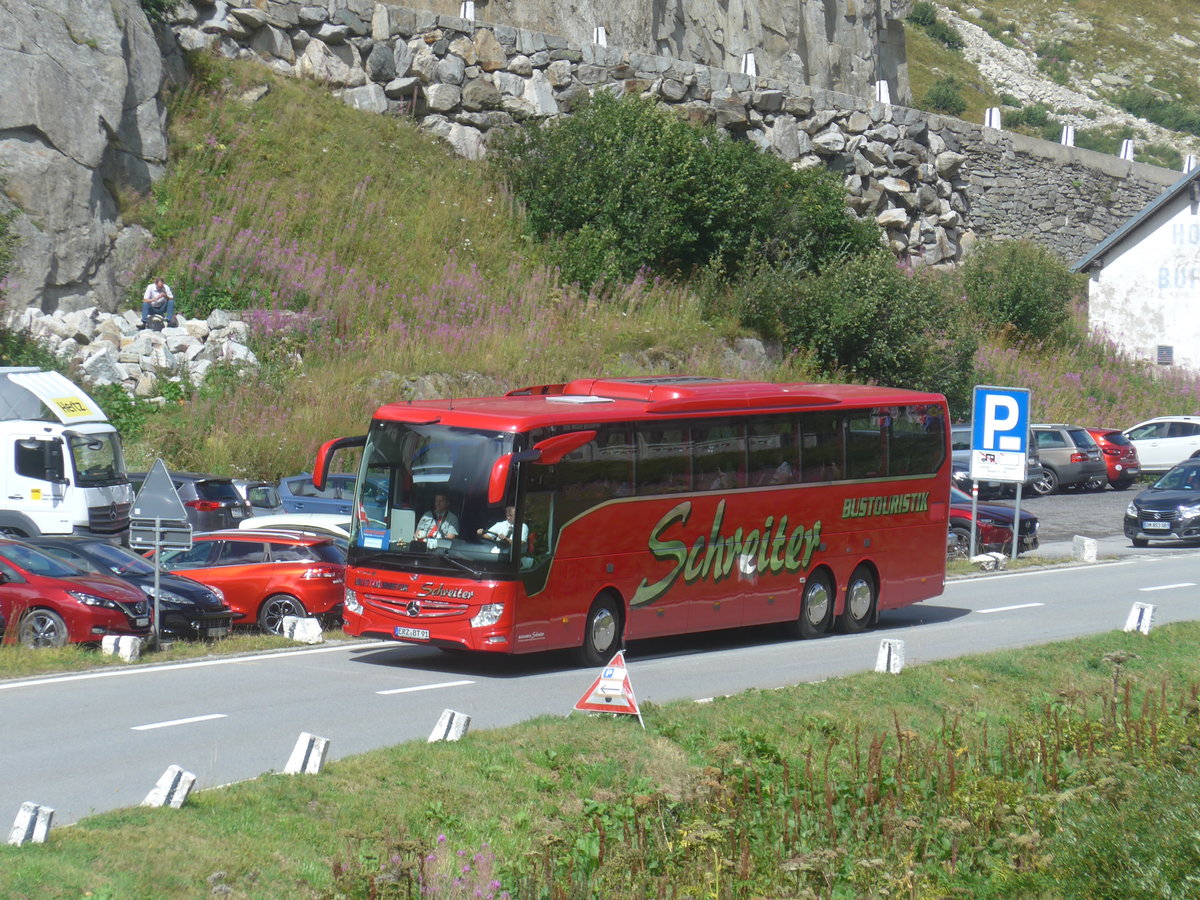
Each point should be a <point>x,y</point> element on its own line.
<point>118,560</point>
<point>97,459</point>
<point>1180,478</point>
<point>39,563</point>
<point>423,497</point>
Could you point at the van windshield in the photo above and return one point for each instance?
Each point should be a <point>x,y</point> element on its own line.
<point>97,459</point>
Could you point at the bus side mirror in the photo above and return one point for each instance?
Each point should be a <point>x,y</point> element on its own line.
<point>498,480</point>
<point>325,454</point>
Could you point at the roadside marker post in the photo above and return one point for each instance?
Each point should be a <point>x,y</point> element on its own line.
<point>32,824</point>
<point>172,788</point>
<point>1141,617</point>
<point>307,756</point>
<point>451,726</point>
<point>890,660</point>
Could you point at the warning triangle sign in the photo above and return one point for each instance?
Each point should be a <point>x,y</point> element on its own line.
<point>611,692</point>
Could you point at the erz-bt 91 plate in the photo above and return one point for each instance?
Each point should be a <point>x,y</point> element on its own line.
<point>417,634</point>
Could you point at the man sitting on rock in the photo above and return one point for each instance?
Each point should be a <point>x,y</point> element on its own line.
<point>158,300</point>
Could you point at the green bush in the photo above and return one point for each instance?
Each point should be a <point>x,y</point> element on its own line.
<point>1021,286</point>
<point>620,186</point>
<point>869,318</point>
<point>1168,113</point>
<point>1035,117</point>
<point>944,96</point>
<point>923,13</point>
<point>945,34</point>
<point>159,10</point>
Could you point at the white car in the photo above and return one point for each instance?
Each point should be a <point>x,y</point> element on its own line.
<point>1165,441</point>
<point>337,526</point>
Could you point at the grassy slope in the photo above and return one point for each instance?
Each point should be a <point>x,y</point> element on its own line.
<point>956,778</point>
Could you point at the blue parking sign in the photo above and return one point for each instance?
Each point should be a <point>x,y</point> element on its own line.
<point>999,433</point>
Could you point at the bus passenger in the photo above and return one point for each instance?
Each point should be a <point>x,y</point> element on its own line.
<point>502,532</point>
<point>439,522</point>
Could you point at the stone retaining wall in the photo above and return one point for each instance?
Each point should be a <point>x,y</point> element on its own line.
<point>933,183</point>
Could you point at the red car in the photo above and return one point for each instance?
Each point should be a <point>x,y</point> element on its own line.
<point>1120,456</point>
<point>267,574</point>
<point>49,602</point>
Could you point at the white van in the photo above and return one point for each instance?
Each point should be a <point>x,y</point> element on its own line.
<point>61,466</point>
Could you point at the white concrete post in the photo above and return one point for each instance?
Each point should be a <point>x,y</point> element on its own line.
<point>172,788</point>
<point>1189,162</point>
<point>1127,148</point>
<point>749,66</point>
<point>1068,136</point>
<point>600,36</point>
<point>308,755</point>
<point>451,726</point>
<point>891,657</point>
<point>991,118</point>
<point>302,629</point>
<point>32,824</point>
<point>883,94</point>
<point>126,646</point>
<point>467,10</point>
<point>1141,617</point>
<point>1084,549</point>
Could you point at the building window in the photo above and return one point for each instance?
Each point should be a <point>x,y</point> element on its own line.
<point>1165,355</point>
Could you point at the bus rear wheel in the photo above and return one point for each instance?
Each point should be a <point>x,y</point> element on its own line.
<point>816,608</point>
<point>601,632</point>
<point>861,598</point>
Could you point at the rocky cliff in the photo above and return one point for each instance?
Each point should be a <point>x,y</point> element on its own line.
<point>80,123</point>
<point>838,45</point>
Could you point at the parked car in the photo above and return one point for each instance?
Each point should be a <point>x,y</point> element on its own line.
<point>1070,458</point>
<point>1167,510</point>
<point>50,602</point>
<point>1165,441</point>
<point>262,496</point>
<point>267,574</point>
<point>298,494</point>
<point>210,501</point>
<point>960,467</point>
<point>993,527</point>
<point>188,609</point>
<point>1120,457</point>
<point>334,526</point>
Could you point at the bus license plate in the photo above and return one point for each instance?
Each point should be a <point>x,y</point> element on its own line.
<point>1156,526</point>
<point>417,634</point>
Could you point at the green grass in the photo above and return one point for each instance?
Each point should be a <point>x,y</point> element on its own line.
<point>989,776</point>
<point>929,61</point>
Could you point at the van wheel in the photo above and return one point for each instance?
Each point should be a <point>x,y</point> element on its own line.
<point>861,598</point>
<point>601,632</point>
<point>274,608</point>
<point>42,628</point>
<point>816,608</point>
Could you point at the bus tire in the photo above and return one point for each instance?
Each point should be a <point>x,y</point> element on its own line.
<point>601,632</point>
<point>816,608</point>
<point>862,596</point>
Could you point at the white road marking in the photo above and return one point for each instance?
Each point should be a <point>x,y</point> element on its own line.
<point>1169,587</point>
<point>153,669</point>
<point>1007,608</point>
<point>173,722</point>
<point>425,687</point>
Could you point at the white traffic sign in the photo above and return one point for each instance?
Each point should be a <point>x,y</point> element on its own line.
<point>999,433</point>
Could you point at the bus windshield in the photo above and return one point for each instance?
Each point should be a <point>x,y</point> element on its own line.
<point>422,500</point>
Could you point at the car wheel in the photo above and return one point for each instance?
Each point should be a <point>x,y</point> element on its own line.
<point>42,628</point>
<point>1048,483</point>
<point>273,610</point>
<point>861,597</point>
<point>962,543</point>
<point>1096,484</point>
<point>816,608</point>
<point>601,632</point>
<point>1122,485</point>
<point>1139,542</point>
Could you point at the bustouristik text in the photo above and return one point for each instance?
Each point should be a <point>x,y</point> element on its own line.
<point>889,505</point>
<point>774,547</point>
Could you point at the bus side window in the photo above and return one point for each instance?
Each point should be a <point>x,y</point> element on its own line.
<point>719,456</point>
<point>865,443</point>
<point>773,458</point>
<point>821,452</point>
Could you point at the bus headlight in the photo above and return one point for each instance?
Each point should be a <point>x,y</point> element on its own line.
<point>351,603</point>
<point>489,614</point>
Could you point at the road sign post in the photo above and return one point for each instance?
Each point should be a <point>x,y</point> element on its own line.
<point>159,522</point>
<point>999,445</point>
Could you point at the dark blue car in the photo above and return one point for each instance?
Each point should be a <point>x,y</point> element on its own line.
<point>188,608</point>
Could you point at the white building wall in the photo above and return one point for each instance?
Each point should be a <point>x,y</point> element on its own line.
<point>1147,293</point>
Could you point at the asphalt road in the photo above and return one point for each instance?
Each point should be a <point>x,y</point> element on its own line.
<point>97,741</point>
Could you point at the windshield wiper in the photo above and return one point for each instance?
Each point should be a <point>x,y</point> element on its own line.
<point>458,562</point>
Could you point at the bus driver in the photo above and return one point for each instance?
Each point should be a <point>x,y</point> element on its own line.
<point>439,522</point>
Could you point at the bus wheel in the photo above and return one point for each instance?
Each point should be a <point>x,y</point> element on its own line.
<point>601,632</point>
<point>816,608</point>
<point>861,597</point>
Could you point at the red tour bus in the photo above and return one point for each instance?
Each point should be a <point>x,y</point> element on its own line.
<point>583,515</point>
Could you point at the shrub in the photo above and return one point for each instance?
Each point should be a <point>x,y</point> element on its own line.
<point>1168,113</point>
<point>159,10</point>
<point>944,96</point>
<point>620,185</point>
<point>1019,285</point>
<point>923,13</point>
<point>945,34</point>
<point>1035,116</point>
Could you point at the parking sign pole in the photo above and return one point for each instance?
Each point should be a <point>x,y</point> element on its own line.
<point>157,551</point>
<point>1016,522</point>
